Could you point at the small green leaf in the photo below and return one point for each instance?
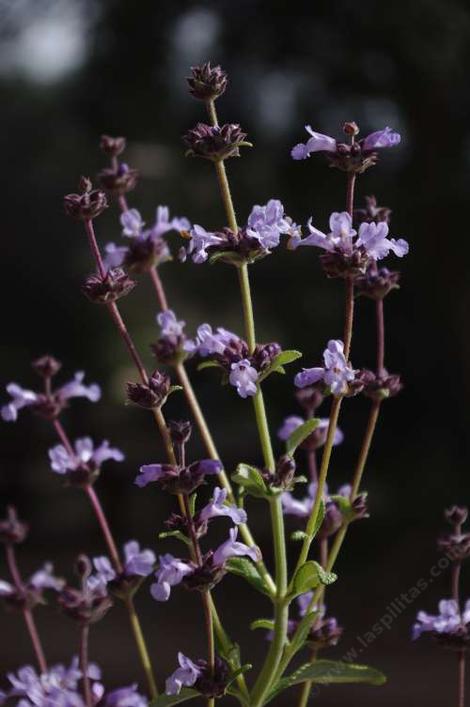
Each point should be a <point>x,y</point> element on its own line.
<point>330,672</point>
<point>319,519</point>
<point>243,567</point>
<point>175,534</point>
<point>302,632</point>
<point>192,504</point>
<point>301,434</point>
<point>174,388</point>
<point>242,669</point>
<point>250,478</point>
<point>278,363</point>
<point>167,700</point>
<point>298,535</point>
<point>310,576</point>
<point>262,623</point>
<point>208,364</point>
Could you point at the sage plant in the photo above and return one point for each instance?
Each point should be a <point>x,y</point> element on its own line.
<point>298,627</point>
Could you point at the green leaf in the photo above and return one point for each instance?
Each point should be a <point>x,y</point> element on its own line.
<point>310,576</point>
<point>242,669</point>
<point>302,632</point>
<point>298,535</point>
<point>175,534</point>
<point>250,478</point>
<point>278,363</point>
<point>208,364</point>
<point>243,567</point>
<point>167,700</point>
<point>192,504</point>
<point>262,623</point>
<point>174,388</point>
<point>320,518</point>
<point>301,434</point>
<point>330,672</point>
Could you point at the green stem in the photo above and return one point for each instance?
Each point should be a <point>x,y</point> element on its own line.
<point>141,646</point>
<point>281,613</point>
<point>213,453</point>
<point>281,609</point>
<point>325,462</point>
<point>226,645</point>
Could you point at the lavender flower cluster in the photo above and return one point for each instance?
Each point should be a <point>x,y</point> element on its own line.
<point>358,238</point>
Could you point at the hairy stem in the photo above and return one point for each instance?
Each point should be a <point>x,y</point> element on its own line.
<point>26,611</point>
<point>83,659</point>
<point>461,679</point>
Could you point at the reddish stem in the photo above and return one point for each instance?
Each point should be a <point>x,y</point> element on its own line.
<point>95,249</point>
<point>104,525</point>
<point>27,613</point>
<point>84,632</point>
<point>159,289</point>
<point>379,311</point>
<point>126,337</point>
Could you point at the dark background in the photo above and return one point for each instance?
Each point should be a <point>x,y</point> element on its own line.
<point>70,71</point>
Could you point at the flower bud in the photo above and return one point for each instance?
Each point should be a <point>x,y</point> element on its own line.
<point>180,431</point>
<point>46,366</point>
<point>86,206</point>
<point>152,395</point>
<point>379,387</point>
<point>351,129</point>
<point>113,286</point>
<point>215,143</point>
<point>207,82</point>
<point>12,530</point>
<point>112,146</point>
<point>283,476</point>
<point>376,284</point>
<point>310,398</point>
<point>456,515</point>
<point>120,180</point>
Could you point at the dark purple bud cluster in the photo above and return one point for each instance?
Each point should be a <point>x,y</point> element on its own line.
<point>456,544</point>
<point>151,395</point>
<point>89,603</point>
<point>212,683</point>
<point>103,290</point>
<point>178,479</point>
<point>215,142</point>
<point>376,283</point>
<point>112,146</point>
<point>207,82</point>
<point>378,387</point>
<point>12,530</point>
<point>283,476</point>
<point>145,253</point>
<point>119,179</point>
<point>371,212</point>
<point>87,205</point>
<point>339,264</point>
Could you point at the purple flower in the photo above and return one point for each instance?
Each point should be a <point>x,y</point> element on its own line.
<point>267,223</point>
<point>217,507</point>
<point>77,389</point>
<point>169,325</point>
<point>340,237</point>
<point>63,462</point>
<point>316,143</point>
<point>293,422</point>
<point>125,697</point>
<point>20,398</point>
<point>233,548</point>
<point>132,223</point>
<point>44,578</point>
<point>163,223</point>
<point>175,479</point>
<point>171,571</point>
<point>244,377</point>
<point>373,237</point>
<point>200,241</point>
<point>58,687</point>
<point>184,676</point>
<point>336,374</point>
<point>448,621</point>
<point>115,255</point>
<point>381,138</point>
<point>303,507</point>
<point>137,562</point>
<point>208,342</point>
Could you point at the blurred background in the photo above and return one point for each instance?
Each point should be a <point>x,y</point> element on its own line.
<point>71,70</point>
